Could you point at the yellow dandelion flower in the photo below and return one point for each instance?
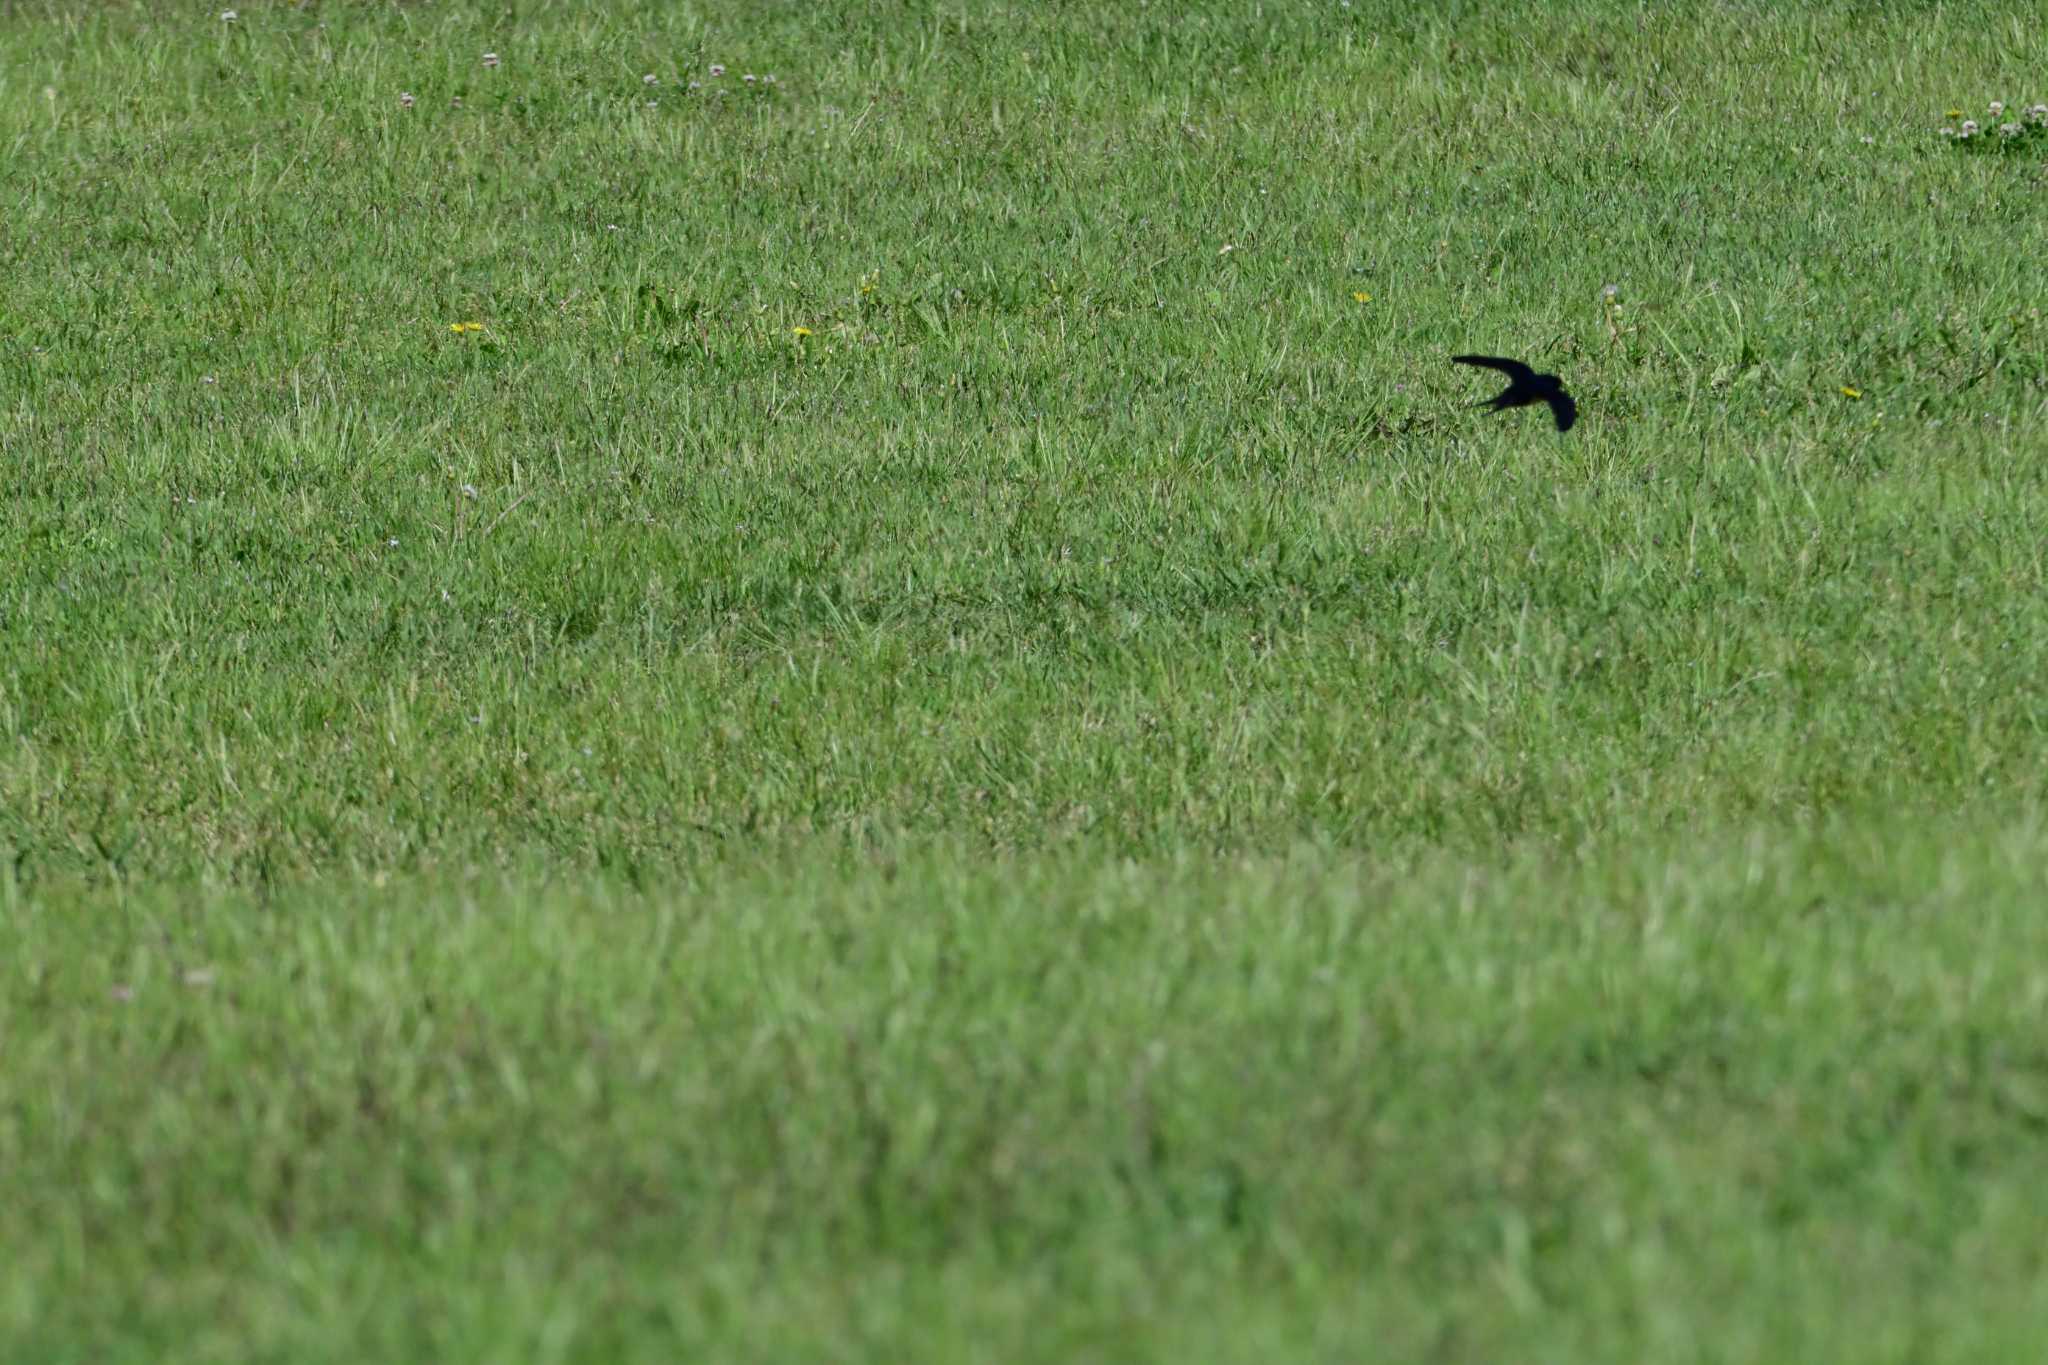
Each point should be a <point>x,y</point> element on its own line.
<point>1848,392</point>
<point>800,332</point>
<point>1361,296</point>
<point>460,327</point>
<point>1955,113</point>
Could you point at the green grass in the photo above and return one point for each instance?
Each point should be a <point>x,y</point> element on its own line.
<point>1087,807</point>
<point>1760,1100</point>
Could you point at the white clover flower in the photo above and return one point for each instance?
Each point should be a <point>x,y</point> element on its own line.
<point>650,79</point>
<point>2038,113</point>
<point>1997,108</point>
<point>405,100</point>
<point>718,68</point>
<point>228,16</point>
<point>490,59</point>
<point>748,78</point>
<point>1969,127</point>
<point>1948,132</point>
<point>2010,129</point>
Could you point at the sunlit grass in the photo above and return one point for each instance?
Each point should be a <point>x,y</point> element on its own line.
<point>901,706</point>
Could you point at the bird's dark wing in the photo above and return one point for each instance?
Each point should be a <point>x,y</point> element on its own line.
<point>1563,409</point>
<point>1515,370</point>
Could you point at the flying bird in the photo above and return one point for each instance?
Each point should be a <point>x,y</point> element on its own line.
<point>1525,386</point>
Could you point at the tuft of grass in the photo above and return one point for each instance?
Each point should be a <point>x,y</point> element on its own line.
<point>900,710</point>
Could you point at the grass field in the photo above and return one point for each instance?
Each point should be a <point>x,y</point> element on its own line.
<point>903,713</point>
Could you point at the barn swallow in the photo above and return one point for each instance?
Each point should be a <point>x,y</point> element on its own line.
<point>1525,386</point>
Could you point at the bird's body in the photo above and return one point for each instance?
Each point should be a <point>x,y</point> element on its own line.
<point>1525,386</point>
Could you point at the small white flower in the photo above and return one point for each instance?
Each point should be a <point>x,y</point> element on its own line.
<point>1610,291</point>
<point>650,79</point>
<point>455,103</point>
<point>654,104</point>
<point>490,59</point>
<point>696,85</point>
<point>469,490</point>
<point>2010,129</point>
<point>1868,140</point>
<point>767,80</point>
<point>718,68</point>
<point>228,16</point>
<point>1228,247</point>
<point>748,78</point>
<point>1948,132</point>
<point>2038,112</point>
<point>1969,127</point>
<point>405,100</point>
<point>1997,108</point>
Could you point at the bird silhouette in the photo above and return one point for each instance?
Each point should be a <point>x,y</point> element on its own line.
<point>1525,386</point>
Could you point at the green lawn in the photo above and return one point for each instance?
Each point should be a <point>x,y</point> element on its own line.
<point>945,737</point>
